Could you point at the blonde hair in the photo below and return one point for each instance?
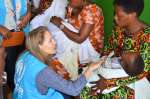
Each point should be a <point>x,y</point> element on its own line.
<point>34,39</point>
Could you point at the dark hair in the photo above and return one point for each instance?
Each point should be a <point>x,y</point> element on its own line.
<point>137,66</point>
<point>131,5</point>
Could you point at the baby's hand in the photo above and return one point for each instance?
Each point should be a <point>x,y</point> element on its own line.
<point>111,54</point>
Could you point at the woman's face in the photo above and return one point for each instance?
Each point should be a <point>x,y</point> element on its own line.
<point>48,46</point>
<point>121,18</point>
<point>75,3</point>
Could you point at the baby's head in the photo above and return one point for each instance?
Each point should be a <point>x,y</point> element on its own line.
<point>132,63</point>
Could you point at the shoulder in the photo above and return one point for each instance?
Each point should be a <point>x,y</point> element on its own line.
<point>147,30</point>
<point>93,7</point>
<point>28,58</point>
<point>146,34</point>
<point>117,31</point>
<point>92,11</point>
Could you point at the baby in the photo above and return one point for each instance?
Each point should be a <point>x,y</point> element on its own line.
<point>131,64</point>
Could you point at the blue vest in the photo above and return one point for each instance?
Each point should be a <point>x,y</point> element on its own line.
<point>27,67</point>
<point>23,10</point>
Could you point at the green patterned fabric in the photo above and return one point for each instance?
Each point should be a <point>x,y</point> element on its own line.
<point>121,93</point>
<point>138,43</point>
<point>120,42</point>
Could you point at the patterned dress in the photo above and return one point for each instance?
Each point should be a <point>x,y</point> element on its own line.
<point>140,43</point>
<point>120,42</point>
<point>90,14</point>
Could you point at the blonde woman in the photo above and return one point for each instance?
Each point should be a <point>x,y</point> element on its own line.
<point>35,78</point>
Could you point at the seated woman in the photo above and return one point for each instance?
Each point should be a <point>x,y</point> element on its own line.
<point>48,9</point>
<point>88,20</point>
<point>35,76</point>
<point>131,34</point>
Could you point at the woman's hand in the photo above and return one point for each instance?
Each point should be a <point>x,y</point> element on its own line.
<point>26,18</point>
<point>96,65</point>
<point>5,32</point>
<point>99,86</point>
<point>23,21</point>
<point>56,20</point>
<point>93,67</point>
